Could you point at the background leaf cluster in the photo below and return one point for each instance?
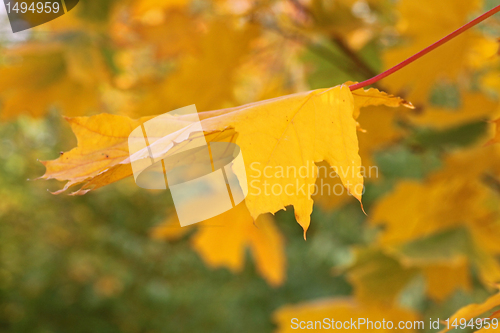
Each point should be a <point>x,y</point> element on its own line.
<point>110,261</point>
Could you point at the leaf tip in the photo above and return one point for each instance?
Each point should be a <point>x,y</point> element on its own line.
<point>362,208</point>
<point>408,104</point>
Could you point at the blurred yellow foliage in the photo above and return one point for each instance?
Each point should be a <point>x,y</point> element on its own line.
<point>422,23</point>
<point>115,65</point>
<point>222,241</point>
<point>475,310</point>
<point>341,310</point>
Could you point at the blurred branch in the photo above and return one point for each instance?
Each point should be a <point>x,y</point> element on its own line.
<point>359,65</point>
<point>318,49</point>
<point>303,9</point>
<point>492,182</point>
<point>353,56</point>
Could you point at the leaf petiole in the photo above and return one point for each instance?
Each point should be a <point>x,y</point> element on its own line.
<point>426,50</point>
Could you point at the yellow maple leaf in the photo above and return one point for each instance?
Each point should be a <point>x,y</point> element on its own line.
<point>444,280</point>
<point>317,316</point>
<point>473,311</point>
<point>455,195</point>
<point>425,210</point>
<point>454,202</point>
<point>222,240</point>
<point>281,140</point>
<point>102,143</point>
<point>374,97</point>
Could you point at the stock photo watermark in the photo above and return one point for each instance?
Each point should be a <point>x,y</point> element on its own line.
<point>207,179</point>
<point>200,175</point>
<point>263,179</point>
<point>26,14</point>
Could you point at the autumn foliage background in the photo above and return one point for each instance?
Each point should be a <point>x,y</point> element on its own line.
<point>115,260</point>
